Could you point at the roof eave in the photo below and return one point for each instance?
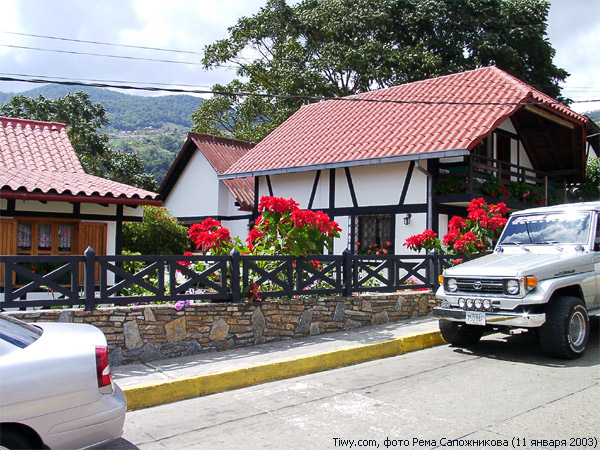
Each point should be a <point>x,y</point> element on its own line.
<point>128,201</point>
<point>177,167</point>
<point>353,163</point>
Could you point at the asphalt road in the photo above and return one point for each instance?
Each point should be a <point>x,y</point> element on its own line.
<point>502,394</point>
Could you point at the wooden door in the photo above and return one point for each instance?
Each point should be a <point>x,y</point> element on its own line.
<point>8,242</point>
<point>92,235</point>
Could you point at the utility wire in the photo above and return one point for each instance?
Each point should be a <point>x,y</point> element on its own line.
<point>82,41</point>
<point>95,80</point>
<point>56,38</point>
<point>280,96</point>
<point>72,52</point>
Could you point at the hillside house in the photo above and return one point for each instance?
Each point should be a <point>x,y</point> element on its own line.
<point>193,192</point>
<point>49,205</point>
<point>378,162</point>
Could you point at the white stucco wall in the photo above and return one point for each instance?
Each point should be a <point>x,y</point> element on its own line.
<point>51,207</point>
<point>196,192</point>
<point>199,193</point>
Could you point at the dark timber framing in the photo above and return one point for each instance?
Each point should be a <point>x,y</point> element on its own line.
<point>314,189</point>
<point>354,211</point>
<point>11,211</point>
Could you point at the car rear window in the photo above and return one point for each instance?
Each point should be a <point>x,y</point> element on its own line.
<point>17,332</point>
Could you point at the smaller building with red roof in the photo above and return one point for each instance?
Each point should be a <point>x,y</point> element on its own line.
<point>48,204</point>
<point>193,192</point>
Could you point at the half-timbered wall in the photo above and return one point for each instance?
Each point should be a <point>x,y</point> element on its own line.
<point>394,189</point>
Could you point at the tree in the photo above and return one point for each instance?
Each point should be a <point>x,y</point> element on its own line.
<point>334,48</point>
<point>590,188</point>
<point>158,234</point>
<point>83,119</point>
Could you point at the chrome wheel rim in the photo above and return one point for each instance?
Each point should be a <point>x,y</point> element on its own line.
<point>577,329</point>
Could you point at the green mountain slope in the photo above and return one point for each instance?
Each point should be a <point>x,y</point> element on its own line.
<point>155,128</point>
<point>128,112</point>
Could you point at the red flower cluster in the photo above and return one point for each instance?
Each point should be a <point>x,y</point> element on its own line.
<point>186,263</point>
<point>209,234</point>
<point>469,239</point>
<point>306,217</point>
<point>469,236</point>
<point>426,240</point>
<point>253,293</point>
<point>483,217</point>
<point>277,205</point>
<point>254,235</point>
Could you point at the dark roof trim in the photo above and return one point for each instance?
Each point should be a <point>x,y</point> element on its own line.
<point>16,195</point>
<point>176,169</point>
<point>358,162</point>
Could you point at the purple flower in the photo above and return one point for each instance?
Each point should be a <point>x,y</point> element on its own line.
<point>181,303</point>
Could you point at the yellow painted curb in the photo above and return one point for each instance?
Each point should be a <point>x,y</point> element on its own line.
<point>158,393</point>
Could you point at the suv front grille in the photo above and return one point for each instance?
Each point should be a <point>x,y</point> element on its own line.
<point>482,286</point>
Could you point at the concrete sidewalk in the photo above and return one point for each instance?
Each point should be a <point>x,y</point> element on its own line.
<point>208,373</point>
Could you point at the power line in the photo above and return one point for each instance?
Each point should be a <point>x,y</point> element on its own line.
<point>57,38</point>
<point>72,52</point>
<point>96,80</point>
<point>82,41</point>
<point>280,96</point>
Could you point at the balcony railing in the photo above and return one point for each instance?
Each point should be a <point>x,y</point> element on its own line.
<point>477,170</point>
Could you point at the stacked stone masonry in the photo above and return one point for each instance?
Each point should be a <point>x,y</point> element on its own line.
<point>152,332</point>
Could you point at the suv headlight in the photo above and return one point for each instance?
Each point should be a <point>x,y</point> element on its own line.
<point>451,284</point>
<point>512,287</point>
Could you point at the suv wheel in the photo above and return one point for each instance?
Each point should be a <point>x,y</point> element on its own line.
<point>460,334</point>
<point>566,331</point>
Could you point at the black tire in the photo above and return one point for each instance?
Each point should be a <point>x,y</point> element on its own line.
<point>14,441</point>
<point>567,328</point>
<point>460,334</point>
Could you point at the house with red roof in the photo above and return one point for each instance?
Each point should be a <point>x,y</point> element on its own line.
<point>388,164</point>
<point>49,205</point>
<point>193,192</point>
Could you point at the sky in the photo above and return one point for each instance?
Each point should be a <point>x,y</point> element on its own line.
<point>189,25</point>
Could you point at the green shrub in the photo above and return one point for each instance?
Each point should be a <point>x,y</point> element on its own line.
<point>158,234</point>
<point>590,188</point>
<point>449,185</point>
<point>495,188</point>
<point>527,193</point>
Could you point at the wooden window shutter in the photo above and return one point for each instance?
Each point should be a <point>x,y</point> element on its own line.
<point>8,241</point>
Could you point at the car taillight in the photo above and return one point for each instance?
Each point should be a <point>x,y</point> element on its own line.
<point>103,370</point>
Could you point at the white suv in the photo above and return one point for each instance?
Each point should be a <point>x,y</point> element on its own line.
<point>544,274</point>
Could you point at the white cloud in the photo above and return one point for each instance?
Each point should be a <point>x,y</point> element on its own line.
<point>573,30</point>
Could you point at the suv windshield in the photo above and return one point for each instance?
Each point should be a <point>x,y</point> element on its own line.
<point>17,332</point>
<point>553,228</point>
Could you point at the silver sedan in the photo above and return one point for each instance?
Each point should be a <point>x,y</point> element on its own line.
<point>56,388</point>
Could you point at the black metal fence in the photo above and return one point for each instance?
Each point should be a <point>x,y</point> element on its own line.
<point>92,280</point>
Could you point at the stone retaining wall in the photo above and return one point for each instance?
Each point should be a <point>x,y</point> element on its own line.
<point>148,333</point>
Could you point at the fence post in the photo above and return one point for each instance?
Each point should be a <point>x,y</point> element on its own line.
<point>89,288</point>
<point>347,273</point>
<point>433,269</point>
<point>236,293</point>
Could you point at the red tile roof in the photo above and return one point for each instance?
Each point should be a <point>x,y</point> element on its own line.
<point>446,115</point>
<point>221,153</point>
<point>37,160</point>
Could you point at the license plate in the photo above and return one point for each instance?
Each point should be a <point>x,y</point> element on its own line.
<point>475,318</point>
